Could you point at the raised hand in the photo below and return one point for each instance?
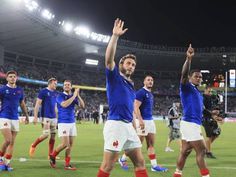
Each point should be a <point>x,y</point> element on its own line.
<point>76,92</point>
<point>190,52</point>
<point>118,27</point>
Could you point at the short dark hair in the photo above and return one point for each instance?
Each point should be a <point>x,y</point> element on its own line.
<point>67,80</point>
<point>194,71</point>
<point>147,75</point>
<point>11,72</point>
<point>132,56</point>
<point>51,80</point>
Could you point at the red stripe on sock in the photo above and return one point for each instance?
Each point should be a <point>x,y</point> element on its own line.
<point>204,172</point>
<point>8,156</point>
<point>51,145</point>
<point>152,156</point>
<point>67,160</point>
<point>177,175</point>
<point>141,173</point>
<point>102,174</point>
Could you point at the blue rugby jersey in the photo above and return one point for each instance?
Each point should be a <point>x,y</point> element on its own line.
<point>10,99</point>
<point>120,95</point>
<point>192,102</point>
<point>48,98</point>
<point>146,97</point>
<point>67,114</point>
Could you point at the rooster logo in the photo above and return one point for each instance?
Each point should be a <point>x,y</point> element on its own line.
<point>115,144</point>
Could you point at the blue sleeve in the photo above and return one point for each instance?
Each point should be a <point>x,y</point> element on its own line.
<point>185,87</point>
<point>140,95</point>
<point>1,92</point>
<point>112,74</point>
<point>41,94</point>
<point>76,101</point>
<point>59,99</point>
<point>22,96</point>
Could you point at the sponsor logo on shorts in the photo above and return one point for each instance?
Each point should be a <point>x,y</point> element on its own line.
<point>5,124</point>
<point>115,144</point>
<point>64,132</point>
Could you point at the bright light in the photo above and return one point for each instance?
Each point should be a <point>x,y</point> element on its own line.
<point>99,37</point>
<point>83,31</point>
<point>224,56</point>
<point>205,71</point>
<point>106,39</point>
<point>94,36</point>
<point>16,1</point>
<point>91,62</point>
<point>31,5</point>
<point>47,14</point>
<point>68,27</point>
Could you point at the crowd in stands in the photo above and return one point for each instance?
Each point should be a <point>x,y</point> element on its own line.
<point>165,90</point>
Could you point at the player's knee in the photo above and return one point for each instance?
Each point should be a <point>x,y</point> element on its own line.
<point>53,131</point>
<point>46,133</point>
<point>66,145</point>
<point>8,141</point>
<point>108,166</point>
<point>186,152</point>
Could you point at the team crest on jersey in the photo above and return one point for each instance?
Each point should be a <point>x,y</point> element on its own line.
<point>115,144</point>
<point>7,92</point>
<point>147,95</point>
<point>48,94</point>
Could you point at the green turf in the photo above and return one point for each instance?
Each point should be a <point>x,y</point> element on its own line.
<point>88,149</point>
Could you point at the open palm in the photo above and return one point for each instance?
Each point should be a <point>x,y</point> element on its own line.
<point>118,27</point>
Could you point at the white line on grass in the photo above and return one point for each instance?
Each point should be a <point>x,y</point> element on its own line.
<point>98,162</point>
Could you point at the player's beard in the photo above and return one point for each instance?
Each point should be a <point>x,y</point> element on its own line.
<point>124,71</point>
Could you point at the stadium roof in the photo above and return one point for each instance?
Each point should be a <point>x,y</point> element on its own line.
<point>28,33</point>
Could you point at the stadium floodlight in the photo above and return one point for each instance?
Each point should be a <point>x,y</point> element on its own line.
<point>91,62</point>
<point>224,56</point>
<point>94,36</point>
<point>47,14</point>
<point>106,39</point>
<point>31,5</point>
<point>82,31</point>
<point>205,71</point>
<point>68,27</point>
<point>100,37</point>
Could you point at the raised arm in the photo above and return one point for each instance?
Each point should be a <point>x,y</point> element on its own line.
<point>187,64</point>
<point>81,101</point>
<point>111,48</point>
<point>68,102</point>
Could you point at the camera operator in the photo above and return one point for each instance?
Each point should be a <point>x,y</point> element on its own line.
<point>211,118</point>
<point>174,115</point>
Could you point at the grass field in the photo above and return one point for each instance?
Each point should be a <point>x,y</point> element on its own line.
<point>88,149</point>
